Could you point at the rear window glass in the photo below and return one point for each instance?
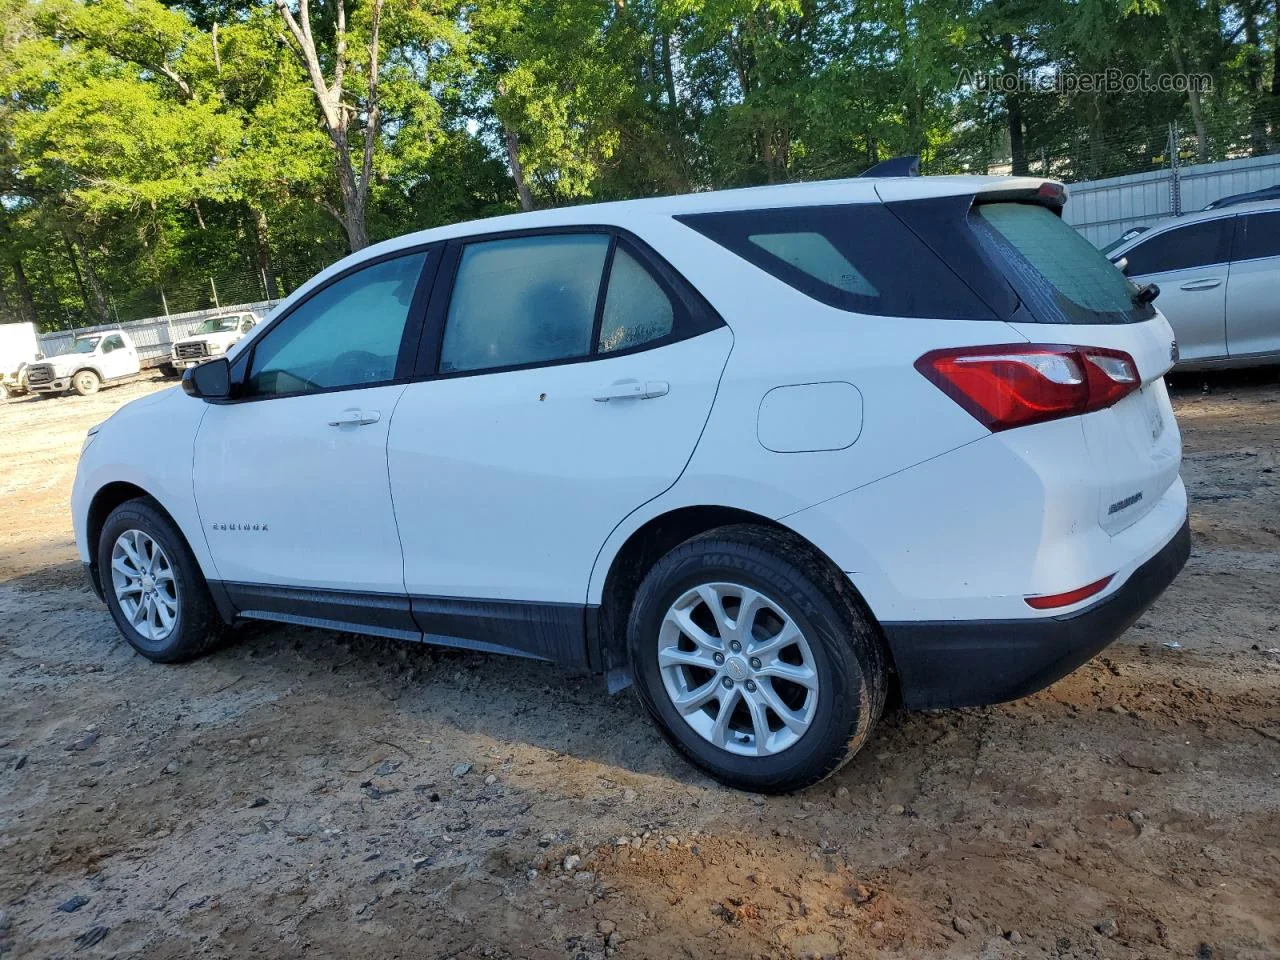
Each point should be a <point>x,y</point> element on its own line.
<point>1060,276</point>
<point>1257,235</point>
<point>857,257</point>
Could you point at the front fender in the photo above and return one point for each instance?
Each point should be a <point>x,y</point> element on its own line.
<point>149,444</point>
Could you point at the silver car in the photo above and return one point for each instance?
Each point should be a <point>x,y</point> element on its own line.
<point>1219,278</point>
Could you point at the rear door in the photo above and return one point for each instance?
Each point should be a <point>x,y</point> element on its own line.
<point>1253,288</point>
<point>1075,296</point>
<point>566,380</point>
<point>1189,264</point>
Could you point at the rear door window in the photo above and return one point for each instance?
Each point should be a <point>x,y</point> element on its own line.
<point>1257,236</point>
<point>857,257</point>
<point>1183,248</point>
<point>1059,275</point>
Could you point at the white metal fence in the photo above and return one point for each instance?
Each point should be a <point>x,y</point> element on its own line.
<point>1104,209</point>
<point>154,337</point>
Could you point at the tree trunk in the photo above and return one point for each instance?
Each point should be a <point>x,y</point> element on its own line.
<point>99,309</point>
<point>262,251</point>
<point>517,170</point>
<point>1259,138</point>
<point>75,269</point>
<point>26,302</point>
<point>1013,111</point>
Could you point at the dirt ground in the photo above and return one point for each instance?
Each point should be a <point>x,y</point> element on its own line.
<point>308,793</point>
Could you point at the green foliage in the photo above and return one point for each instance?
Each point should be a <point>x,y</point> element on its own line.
<point>149,146</point>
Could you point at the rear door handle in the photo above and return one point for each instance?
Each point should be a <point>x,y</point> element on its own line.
<point>1205,283</point>
<point>356,418</point>
<point>633,390</point>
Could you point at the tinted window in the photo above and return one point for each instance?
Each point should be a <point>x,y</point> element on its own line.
<point>1195,245</point>
<point>1257,235</point>
<point>523,300</point>
<point>346,335</point>
<point>858,257</point>
<point>1062,257</point>
<point>636,309</point>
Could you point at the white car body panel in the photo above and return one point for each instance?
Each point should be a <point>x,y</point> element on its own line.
<point>519,486</point>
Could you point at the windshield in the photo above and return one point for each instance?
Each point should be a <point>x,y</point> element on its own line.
<point>219,325</point>
<point>83,345</point>
<point>1061,276</point>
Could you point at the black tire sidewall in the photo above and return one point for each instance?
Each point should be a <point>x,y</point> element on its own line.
<point>140,515</point>
<point>842,689</point>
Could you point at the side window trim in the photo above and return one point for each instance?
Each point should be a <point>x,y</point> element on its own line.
<point>414,325</point>
<point>693,315</point>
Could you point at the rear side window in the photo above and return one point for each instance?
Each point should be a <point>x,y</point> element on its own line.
<point>636,309</point>
<point>857,257</point>
<point>1257,236</point>
<point>1195,245</point>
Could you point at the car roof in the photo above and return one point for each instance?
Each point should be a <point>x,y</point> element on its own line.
<point>1199,216</point>
<point>621,212</point>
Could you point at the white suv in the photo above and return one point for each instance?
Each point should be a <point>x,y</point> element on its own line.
<point>772,454</point>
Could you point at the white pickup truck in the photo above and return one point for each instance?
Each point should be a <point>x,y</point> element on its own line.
<point>93,360</point>
<point>18,349</point>
<point>212,338</point>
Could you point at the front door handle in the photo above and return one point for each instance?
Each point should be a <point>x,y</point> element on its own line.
<point>1205,283</point>
<point>356,418</point>
<point>633,390</point>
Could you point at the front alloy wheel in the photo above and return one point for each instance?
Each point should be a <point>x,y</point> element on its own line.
<point>738,669</point>
<point>145,586</point>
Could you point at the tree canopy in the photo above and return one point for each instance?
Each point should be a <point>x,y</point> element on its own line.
<point>155,154</point>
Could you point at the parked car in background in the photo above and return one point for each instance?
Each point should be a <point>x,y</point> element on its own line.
<point>772,454</point>
<point>1219,278</point>
<point>1266,193</point>
<point>93,361</point>
<point>19,347</point>
<point>213,338</point>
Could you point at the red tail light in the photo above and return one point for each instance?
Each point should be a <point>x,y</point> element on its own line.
<point>1012,385</point>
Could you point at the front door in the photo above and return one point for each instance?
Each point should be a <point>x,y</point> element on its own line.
<point>291,476</point>
<point>1253,290</point>
<point>117,358</point>
<point>556,406</point>
<point>1190,266</point>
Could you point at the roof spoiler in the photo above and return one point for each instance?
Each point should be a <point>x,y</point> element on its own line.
<point>908,166</point>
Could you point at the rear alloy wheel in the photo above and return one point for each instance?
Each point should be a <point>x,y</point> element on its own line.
<point>756,658</point>
<point>86,383</point>
<point>153,585</point>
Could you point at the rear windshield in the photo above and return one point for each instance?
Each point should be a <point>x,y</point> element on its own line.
<point>1060,276</point>
<point>857,257</point>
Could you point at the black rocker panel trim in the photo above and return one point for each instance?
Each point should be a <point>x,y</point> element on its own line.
<point>556,632</point>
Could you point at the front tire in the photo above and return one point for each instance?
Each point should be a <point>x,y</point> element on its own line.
<point>86,383</point>
<point>153,585</point>
<point>755,659</point>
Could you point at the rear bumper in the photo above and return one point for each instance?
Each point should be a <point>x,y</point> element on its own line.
<point>965,663</point>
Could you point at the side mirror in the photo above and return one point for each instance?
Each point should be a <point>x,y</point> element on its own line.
<point>209,381</point>
<point>39,356</point>
<point>1122,264</point>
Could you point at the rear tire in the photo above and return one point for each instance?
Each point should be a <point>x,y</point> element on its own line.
<point>805,683</point>
<point>86,383</point>
<point>153,586</point>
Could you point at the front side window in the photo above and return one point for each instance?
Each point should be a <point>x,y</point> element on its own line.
<point>112,343</point>
<point>1257,236</point>
<point>346,335</point>
<point>1184,248</point>
<point>522,301</point>
<point>247,325</point>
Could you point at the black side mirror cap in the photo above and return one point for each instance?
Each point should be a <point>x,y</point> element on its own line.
<point>209,381</point>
